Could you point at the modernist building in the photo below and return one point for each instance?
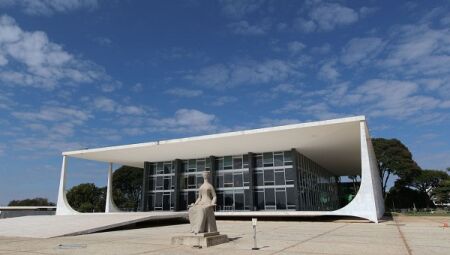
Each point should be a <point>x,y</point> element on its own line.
<point>288,170</point>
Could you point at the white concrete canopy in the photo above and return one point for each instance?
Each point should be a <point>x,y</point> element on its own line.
<point>334,144</point>
<point>342,146</point>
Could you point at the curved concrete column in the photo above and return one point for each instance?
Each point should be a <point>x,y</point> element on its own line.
<point>110,205</point>
<point>63,207</point>
<point>368,202</point>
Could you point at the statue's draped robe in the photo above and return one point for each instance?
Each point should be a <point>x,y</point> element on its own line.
<point>201,215</point>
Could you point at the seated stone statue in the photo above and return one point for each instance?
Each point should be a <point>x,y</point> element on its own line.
<point>201,213</point>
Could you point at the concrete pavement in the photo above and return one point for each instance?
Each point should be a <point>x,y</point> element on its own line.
<point>404,235</point>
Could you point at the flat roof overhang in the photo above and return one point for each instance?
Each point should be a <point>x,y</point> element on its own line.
<point>334,144</point>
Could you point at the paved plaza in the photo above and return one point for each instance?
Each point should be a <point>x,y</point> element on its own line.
<point>404,235</point>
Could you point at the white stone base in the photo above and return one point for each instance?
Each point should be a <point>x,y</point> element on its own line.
<point>201,239</point>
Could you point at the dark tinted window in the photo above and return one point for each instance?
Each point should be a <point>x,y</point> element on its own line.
<point>278,160</point>
<point>239,201</point>
<point>290,176</point>
<point>220,181</point>
<point>287,156</point>
<point>260,199</point>
<point>227,162</point>
<point>237,163</point>
<point>191,181</point>
<point>166,202</point>
<point>245,163</point>
<point>269,196</point>
<point>167,168</point>
<point>268,159</point>
<point>228,200</point>
<point>248,199</point>
<point>268,177</point>
<point>167,183</point>
<point>259,179</point>
<point>200,165</point>
<point>219,200</point>
<point>158,199</point>
<point>279,178</point>
<point>228,180</point>
<point>281,199</point>
<point>192,164</point>
<point>159,182</point>
<point>246,180</point>
<point>237,180</point>
<point>259,162</point>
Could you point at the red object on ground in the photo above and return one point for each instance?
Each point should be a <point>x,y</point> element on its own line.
<point>445,225</point>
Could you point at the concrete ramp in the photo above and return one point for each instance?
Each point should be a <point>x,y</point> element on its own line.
<point>69,225</point>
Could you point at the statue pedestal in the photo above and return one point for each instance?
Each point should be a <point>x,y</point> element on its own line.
<point>201,239</point>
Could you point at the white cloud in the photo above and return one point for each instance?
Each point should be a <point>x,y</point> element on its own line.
<point>419,49</point>
<point>244,73</point>
<point>49,7</point>
<point>30,59</point>
<point>328,71</point>
<point>392,98</point>
<point>104,104</point>
<point>304,25</point>
<point>103,41</point>
<point>445,21</point>
<point>220,101</point>
<point>138,87</point>
<point>182,92</point>
<point>308,108</point>
<point>326,16</point>
<point>130,110</point>
<point>323,49</point>
<point>110,86</point>
<point>240,8</point>
<point>287,88</point>
<point>185,121</point>
<point>366,11</point>
<point>361,50</point>
<point>54,114</point>
<point>244,28</point>
<point>108,105</point>
<point>6,101</point>
<point>295,47</point>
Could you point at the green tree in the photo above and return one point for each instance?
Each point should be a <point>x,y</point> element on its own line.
<point>441,193</point>
<point>405,197</point>
<point>127,183</point>
<point>87,197</point>
<point>38,201</point>
<point>394,158</point>
<point>428,180</point>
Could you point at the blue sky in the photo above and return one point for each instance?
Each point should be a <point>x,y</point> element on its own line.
<point>88,73</point>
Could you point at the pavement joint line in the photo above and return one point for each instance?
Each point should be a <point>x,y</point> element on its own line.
<point>408,249</point>
<point>311,238</point>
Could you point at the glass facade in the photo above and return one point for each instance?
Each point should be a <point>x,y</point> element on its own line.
<point>232,183</point>
<point>275,179</point>
<point>272,185</point>
<point>318,188</point>
<point>161,186</point>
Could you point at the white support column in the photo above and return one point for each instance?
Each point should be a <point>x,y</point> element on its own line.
<point>110,205</point>
<point>63,207</point>
<point>368,202</point>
